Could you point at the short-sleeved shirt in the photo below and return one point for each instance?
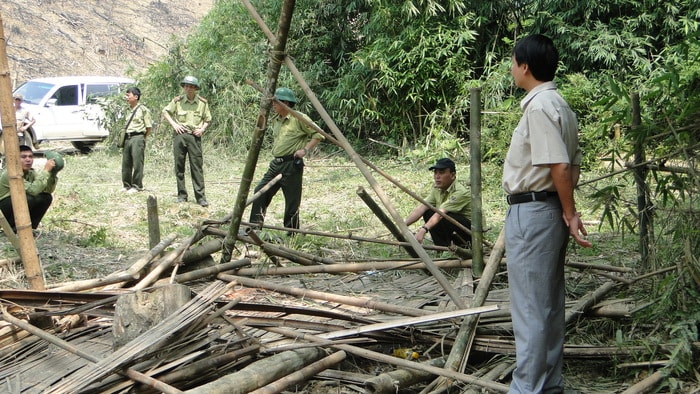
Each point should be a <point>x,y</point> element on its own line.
<point>455,199</point>
<point>23,116</point>
<point>189,113</point>
<point>291,134</point>
<point>141,121</point>
<point>35,182</point>
<point>546,134</point>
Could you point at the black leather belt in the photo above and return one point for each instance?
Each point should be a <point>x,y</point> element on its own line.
<point>529,197</point>
<point>129,135</point>
<point>282,159</point>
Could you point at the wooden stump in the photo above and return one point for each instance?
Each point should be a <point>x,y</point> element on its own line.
<point>137,312</point>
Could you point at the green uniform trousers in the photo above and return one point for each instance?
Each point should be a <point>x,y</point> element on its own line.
<point>185,145</point>
<point>133,155</point>
<point>292,171</point>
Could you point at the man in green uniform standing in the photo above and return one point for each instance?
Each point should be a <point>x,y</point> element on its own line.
<point>133,153</point>
<point>449,197</point>
<point>189,117</point>
<point>293,141</point>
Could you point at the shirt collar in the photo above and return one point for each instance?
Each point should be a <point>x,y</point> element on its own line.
<point>549,85</point>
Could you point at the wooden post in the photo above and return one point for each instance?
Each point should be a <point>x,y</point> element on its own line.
<point>30,257</point>
<point>343,143</point>
<point>273,69</point>
<point>640,173</point>
<point>153,221</point>
<point>475,176</point>
<point>386,221</point>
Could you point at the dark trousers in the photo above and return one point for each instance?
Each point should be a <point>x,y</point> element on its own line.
<point>445,232</point>
<point>290,184</point>
<point>185,145</point>
<point>133,156</point>
<point>38,205</point>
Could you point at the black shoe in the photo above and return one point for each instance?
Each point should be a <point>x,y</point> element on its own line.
<point>182,199</point>
<point>203,202</point>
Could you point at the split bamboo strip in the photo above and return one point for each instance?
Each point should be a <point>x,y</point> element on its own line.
<point>501,388</point>
<point>362,302</point>
<point>408,321</point>
<point>152,340</point>
<point>130,373</point>
<point>302,375</point>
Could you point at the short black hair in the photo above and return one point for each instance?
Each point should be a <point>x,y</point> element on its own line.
<point>539,53</point>
<point>135,91</point>
<point>24,148</point>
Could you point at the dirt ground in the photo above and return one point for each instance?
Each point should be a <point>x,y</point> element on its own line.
<point>70,37</point>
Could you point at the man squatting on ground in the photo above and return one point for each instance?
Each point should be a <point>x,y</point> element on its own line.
<point>37,184</point>
<point>133,152</point>
<point>449,197</point>
<point>189,117</point>
<point>292,142</point>
<point>539,176</point>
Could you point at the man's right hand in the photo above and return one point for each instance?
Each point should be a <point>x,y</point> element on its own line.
<point>50,164</point>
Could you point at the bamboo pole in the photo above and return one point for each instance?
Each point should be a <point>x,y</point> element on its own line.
<point>343,142</point>
<point>393,381</point>
<point>302,375</point>
<point>257,195</point>
<point>23,224</point>
<point>371,355</point>
<point>67,346</point>
<point>261,372</point>
<point>459,354</point>
<point>363,302</point>
<point>477,229</point>
<point>640,173</point>
<point>273,69</point>
<point>167,261</point>
<point>646,384</point>
<point>153,221</point>
<point>350,267</point>
<point>386,221</point>
<point>11,236</point>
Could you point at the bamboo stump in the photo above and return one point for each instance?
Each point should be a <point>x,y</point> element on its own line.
<point>135,313</point>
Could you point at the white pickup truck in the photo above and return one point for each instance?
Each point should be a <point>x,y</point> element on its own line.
<point>67,108</point>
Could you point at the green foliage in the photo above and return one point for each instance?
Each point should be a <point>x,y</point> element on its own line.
<point>97,237</point>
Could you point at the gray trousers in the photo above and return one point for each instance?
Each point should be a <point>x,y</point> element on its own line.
<point>536,238</point>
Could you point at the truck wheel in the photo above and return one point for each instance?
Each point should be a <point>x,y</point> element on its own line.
<point>83,146</point>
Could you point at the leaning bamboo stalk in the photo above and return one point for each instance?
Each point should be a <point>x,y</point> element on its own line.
<point>345,144</point>
<point>302,375</point>
<point>27,247</point>
<point>362,302</point>
<point>257,195</point>
<point>7,230</point>
<point>386,221</point>
<point>278,53</point>
<point>130,373</point>
<point>371,355</point>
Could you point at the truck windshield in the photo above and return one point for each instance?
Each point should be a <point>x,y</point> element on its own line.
<point>33,92</point>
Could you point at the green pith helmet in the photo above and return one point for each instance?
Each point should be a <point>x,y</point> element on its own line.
<point>60,163</point>
<point>285,94</point>
<point>190,80</point>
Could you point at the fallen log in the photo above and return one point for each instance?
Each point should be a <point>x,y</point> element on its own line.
<point>261,373</point>
<point>302,375</point>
